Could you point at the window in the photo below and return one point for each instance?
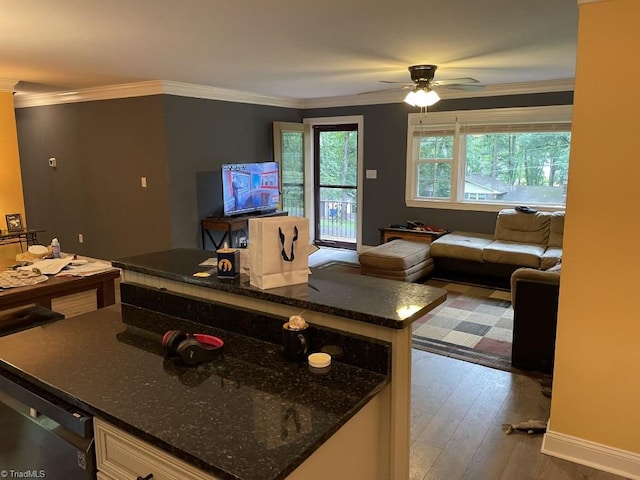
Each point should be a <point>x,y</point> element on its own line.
<point>489,158</point>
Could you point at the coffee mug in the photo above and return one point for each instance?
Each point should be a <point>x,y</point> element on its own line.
<point>295,343</point>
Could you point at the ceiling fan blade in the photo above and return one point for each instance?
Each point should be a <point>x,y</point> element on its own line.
<point>458,86</point>
<point>455,81</point>
<point>397,89</point>
<point>422,76</point>
<point>398,83</point>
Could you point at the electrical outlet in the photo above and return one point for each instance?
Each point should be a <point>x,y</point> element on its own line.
<point>80,238</point>
<point>53,163</point>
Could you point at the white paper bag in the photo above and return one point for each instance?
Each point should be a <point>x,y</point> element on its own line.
<point>278,251</point>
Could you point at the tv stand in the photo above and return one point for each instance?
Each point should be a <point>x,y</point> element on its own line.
<point>228,225</point>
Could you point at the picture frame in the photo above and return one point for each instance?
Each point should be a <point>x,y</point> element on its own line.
<point>14,222</point>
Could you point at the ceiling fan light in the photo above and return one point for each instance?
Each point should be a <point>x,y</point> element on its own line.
<point>411,98</point>
<point>422,97</point>
<point>431,98</point>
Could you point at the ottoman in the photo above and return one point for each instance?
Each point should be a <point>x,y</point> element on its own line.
<point>397,260</point>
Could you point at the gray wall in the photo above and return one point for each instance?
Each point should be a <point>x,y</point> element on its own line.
<point>102,149</point>
<point>385,150</point>
<point>179,144</point>
<point>201,136</point>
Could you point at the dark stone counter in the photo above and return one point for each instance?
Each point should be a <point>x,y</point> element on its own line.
<point>378,301</point>
<point>248,415</point>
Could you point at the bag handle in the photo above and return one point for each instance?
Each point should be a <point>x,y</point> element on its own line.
<point>285,257</point>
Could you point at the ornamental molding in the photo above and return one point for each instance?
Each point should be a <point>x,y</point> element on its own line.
<point>160,87</point>
<point>6,85</point>
<point>154,87</point>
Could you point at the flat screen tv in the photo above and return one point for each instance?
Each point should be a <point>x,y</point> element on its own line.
<point>250,188</point>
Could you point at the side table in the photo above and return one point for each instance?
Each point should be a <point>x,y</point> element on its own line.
<point>228,225</point>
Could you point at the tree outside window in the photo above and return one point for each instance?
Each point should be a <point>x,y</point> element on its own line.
<point>495,157</point>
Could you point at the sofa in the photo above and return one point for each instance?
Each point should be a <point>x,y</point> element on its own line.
<point>534,297</point>
<point>531,240</point>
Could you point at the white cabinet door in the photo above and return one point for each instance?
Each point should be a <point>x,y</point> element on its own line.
<point>121,456</point>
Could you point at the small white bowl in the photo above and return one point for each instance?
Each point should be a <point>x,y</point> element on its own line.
<point>319,360</point>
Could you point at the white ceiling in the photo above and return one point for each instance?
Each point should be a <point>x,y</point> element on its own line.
<point>284,48</point>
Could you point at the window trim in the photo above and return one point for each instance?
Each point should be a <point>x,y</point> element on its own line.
<point>455,120</point>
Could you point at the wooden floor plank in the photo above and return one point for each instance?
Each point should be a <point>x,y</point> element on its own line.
<point>490,459</point>
<point>523,464</point>
<point>426,400</point>
<point>524,401</point>
<point>423,457</point>
<point>447,420</point>
<point>422,410</point>
<point>473,428</point>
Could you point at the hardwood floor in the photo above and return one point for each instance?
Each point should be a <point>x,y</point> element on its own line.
<point>458,409</point>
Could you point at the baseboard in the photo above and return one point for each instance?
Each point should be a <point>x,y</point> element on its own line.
<point>613,460</point>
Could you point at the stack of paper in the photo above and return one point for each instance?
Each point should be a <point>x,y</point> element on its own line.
<point>87,269</point>
<point>68,267</point>
<point>49,267</point>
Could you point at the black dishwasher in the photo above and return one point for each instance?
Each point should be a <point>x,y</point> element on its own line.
<point>42,436</point>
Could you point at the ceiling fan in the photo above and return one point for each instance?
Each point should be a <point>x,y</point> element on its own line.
<point>423,93</point>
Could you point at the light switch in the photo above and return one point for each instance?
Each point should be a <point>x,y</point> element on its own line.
<point>373,174</point>
<point>143,182</point>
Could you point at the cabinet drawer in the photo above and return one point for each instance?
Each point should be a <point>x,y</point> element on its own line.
<point>122,456</point>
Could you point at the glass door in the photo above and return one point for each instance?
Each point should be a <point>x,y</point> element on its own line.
<point>336,184</point>
<point>288,143</point>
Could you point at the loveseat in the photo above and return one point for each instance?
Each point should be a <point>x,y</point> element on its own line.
<point>532,240</point>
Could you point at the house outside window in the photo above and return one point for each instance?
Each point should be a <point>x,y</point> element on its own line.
<point>489,159</point>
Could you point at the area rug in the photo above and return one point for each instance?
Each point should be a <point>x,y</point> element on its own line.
<point>474,324</point>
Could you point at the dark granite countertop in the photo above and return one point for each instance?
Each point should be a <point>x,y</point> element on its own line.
<point>367,299</point>
<point>248,415</point>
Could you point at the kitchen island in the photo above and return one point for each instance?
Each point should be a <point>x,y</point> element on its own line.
<point>362,306</point>
<point>250,414</point>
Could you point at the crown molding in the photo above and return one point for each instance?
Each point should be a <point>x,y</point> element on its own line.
<point>155,87</point>
<point>228,95</point>
<point>6,85</point>
<point>127,90</point>
<point>159,87</point>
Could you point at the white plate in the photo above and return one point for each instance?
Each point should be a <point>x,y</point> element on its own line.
<point>38,249</point>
